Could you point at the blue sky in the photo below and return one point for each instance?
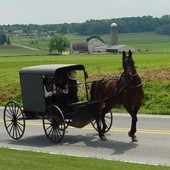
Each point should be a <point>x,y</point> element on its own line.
<point>69,11</point>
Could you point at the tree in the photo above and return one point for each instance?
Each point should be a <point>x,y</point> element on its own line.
<point>58,43</point>
<point>165,29</point>
<point>95,36</point>
<point>3,38</point>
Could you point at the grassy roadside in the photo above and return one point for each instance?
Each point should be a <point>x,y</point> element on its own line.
<point>14,159</point>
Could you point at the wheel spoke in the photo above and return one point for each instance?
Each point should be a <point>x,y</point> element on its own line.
<point>11,124</point>
<point>21,124</point>
<point>11,109</point>
<point>18,115</point>
<point>16,131</point>
<point>10,117</point>
<point>19,127</point>
<point>9,112</point>
<point>49,127</point>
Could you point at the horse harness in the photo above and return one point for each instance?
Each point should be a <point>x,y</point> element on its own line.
<point>124,79</point>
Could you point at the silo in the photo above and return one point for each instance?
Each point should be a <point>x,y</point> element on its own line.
<point>114,34</point>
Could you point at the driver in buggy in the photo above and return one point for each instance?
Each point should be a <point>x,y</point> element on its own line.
<point>66,89</point>
<point>63,92</point>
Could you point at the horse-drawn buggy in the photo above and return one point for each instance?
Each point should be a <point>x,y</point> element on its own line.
<point>54,94</point>
<point>57,111</point>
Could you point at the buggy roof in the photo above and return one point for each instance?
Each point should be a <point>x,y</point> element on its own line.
<point>50,68</point>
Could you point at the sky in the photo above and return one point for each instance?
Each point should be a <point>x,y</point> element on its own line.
<point>77,11</point>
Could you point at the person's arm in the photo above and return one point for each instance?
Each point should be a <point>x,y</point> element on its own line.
<point>47,93</point>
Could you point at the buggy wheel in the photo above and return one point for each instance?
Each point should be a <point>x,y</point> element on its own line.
<point>54,124</point>
<point>108,120</point>
<point>14,120</point>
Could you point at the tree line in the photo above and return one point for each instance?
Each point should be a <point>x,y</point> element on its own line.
<point>98,27</point>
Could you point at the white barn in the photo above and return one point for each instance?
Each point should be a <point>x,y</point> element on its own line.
<point>93,43</point>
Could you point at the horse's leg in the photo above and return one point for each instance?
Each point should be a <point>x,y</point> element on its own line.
<point>133,112</point>
<point>99,120</point>
<point>104,125</point>
<point>103,113</point>
<point>133,127</point>
<point>103,122</point>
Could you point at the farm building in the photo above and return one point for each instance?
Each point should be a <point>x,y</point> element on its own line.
<point>80,47</point>
<point>86,47</point>
<point>114,48</point>
<point>95,45</point>
<point>119,48</point>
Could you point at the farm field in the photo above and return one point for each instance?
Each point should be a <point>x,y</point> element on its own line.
<point>154,70</point>
<point>153,42</point>
<point>153,67</point>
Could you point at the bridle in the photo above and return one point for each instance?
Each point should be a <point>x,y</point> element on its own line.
<point>127,79</point>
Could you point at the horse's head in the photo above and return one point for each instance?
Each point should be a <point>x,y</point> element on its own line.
<point>128,64</point>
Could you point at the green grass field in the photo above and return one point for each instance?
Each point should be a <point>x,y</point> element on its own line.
<point>14,159</point>
<point>149,67</point>
<point>153,42</point>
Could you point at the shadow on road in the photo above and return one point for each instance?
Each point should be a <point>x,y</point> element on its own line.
<point>86,141</point>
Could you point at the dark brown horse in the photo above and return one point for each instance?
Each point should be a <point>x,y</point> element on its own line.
<point>126,90</point>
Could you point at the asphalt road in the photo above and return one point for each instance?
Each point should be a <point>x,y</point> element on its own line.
<point>153,135</point>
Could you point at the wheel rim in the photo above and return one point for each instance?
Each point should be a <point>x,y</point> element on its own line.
<point>14,120</point>
<point>108,120</point>
<point>54,124</point>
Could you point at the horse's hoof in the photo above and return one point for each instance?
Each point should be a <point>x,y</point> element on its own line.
<point>103,138</point>
<point>129,134</point>
<point>134,139</point>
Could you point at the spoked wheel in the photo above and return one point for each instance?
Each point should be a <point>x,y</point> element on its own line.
<point>108,120</point>
<point>54,124</point>
<point>14,120</point>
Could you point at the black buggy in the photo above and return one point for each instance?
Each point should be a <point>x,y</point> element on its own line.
<point>35,106</point>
